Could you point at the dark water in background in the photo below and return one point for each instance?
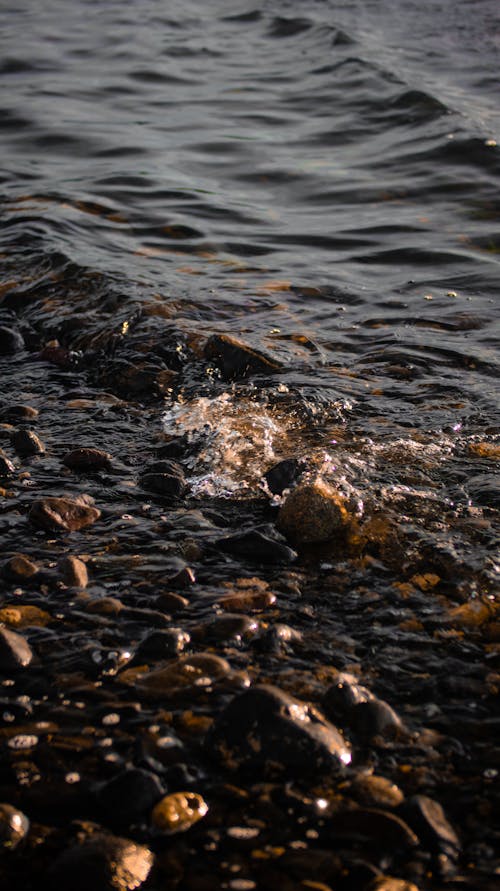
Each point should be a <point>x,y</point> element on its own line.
<point>320,179</point>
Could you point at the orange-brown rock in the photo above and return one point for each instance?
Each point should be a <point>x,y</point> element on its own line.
<point>313,512</point>
<point>62,514</point>
<point>73,572</point>
<point>87,459</point>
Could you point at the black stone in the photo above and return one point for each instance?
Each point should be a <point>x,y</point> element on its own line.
<point>267,728</point>
<point>162,645</point>
<point>342,697</point>
<point>284,474</point>
<point>236,359</point>
<point>103,862</point>
<point>429,821</point>
<point>375,718</point>
<point>26,443</point>
<point>129,796</point>
<point>254,545</point>
<point>11,341</point>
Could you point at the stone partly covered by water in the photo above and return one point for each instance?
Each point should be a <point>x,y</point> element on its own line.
<point>15,651</point>
<point>312,513</point>
<point>102,861</point>
<point>62,514</point>
<point>266,728</point>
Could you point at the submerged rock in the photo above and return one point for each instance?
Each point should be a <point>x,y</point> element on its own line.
<point>178,812</point>
<point>312,513</point>
<point>15,651</point>
<point>237,359</point>
<point>19,568</point>
<point>18,412</point>
<point>62,514</point>
<point>11,341</point>
<point>254,545</point>
<point>87,459</point>
<point>267,728</point>
<point>103,861</point>
<point>129,795</point>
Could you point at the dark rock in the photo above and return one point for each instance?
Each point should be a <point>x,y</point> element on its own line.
<point>162,645</point>
<point>15,651</point>
<point>129,796</point>
<point>341,698</point>
<point>229,627</point>
<point>254,545</point>
<point>283,475</point>
<point>6,465</point>
<point>177,447</point>
<point>62,514</point>
<point>312,513</point>
<point>184,578</point>
<point>236,359</point>
<point>171,602</point>
<point>183,676</point>
<point>376,827</point>
<point>87,459</point>
<point>26,443</point>
<point>19,568</point>
<point>277,639</point>
<point>102,862</point>
<point>376,718</point>
<point>11,341</point>
<point>73,572</point>
<point>18,413</point>
<point>428,819</point>
<point>267,728</point>
<point>375,791</point>
<point>14,826</point>
<point>164,484</point>
<point>172,468</point>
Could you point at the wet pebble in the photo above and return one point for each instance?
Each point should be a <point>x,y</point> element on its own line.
<point>62,514</point>
<point>228,627</point>
<point>15,651</point>
<point>27,443</point>
<point>170,602</point>
<point>73,572</point>
<point>253,545</point>
<point>247,600</point>
<point>11,341</point>
<point>178,812</point>
<point>188,674</point>
<point>378,827</point>
<point>18,412</point>
<point>312,513</point>
<point>87,459</point>
<point>429,820</point>
<point>103,861</point>
<point>376,791</point>
<point>342,696</point>
<point>164,644</point>
<point>284,474</point>
<point>129,796</point>
<point>14,826</point>
<point>376,718</point>
<point>164,484</point>
<point>6,465</point>
<point>236,359</point>
<point>389,883</point>
<point>268,728</point>
<point>19,568</point>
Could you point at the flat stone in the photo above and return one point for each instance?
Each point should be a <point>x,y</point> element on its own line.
<point>379,828</point>
<point>429,820</point>
<point>73,572</point>
<point>130,795</point>
<point>376,791</point>
<point>170,602</point>
<point>268,729</point>
<point>168,484</point>
<point>254,545</point>
<point>15,651</point>
<point>87,459</point>
<point>103,862</point>
<point>6,465</point>
<point>247,600</point>
<point>312,513</point>
<point>62,514</point>
<point>18,412</point>
<point>27,443</point>
<point>237,359</point>
<point>178,812</point>
<point>188,674</point>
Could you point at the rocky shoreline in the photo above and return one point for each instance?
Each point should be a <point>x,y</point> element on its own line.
<point>207,692</point>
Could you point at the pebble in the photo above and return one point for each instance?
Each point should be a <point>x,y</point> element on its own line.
<point>11,341</point>
<point>380,828</point>
<point>178,812</point>
<point>375,791</point>
<point>254,545</point>
<point>102,862</point>
<point>6,465</point>
<point>73,572</point>
<point>27,443</point>
<point>18,412</point>
<point>14,826</point>
<point>247,601</point>
<point>129,796</point>
<point>284,474</point>
<point>187,675</point>
<point>429,820</point>
<point>87,459</point>
<point>162,644</point>
<point>389,883</point>
<point>171,602</point>
<point>342,697</point>
<point>376,718</point>
<point>236,359</point>
<point>19,568</point>
<point>62,514</point>
<point>267,728</point>
<point>164,484</point>
<point>312,513</point>
<point>229,627</point>
<point>15,651</point>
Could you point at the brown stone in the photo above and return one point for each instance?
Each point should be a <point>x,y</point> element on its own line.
<point>73,572</point>
<point>312,513</point>
<point>376,791</point>
<point>26,443</point>
<point>178,812</point>
<point>22,615</point>
<point>19,568</point>
<point>62,514</point>
<point>389,883</point>
<point>170,602</point>
<point>186,674</point>
<point>87,459</point>
<point>247,601</point>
